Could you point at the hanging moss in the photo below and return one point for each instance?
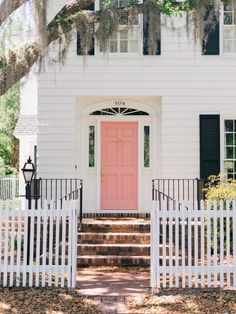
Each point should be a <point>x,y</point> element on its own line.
<point>102,24</point>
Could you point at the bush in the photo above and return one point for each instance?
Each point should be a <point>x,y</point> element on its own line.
<point>219,188</point>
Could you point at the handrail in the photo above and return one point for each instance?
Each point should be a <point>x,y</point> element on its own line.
<point>178,190</point>
<point>59,189</point>
<point>76,194</point>
<point>170,199</point>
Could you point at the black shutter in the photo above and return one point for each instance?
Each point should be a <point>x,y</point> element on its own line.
<point>145,35</point>
<point>91,52</point>
<point>211,41</point>
<point>209,145</point>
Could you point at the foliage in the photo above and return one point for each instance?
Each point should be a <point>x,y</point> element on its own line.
<point>221,190</point>
<point>9,110</point>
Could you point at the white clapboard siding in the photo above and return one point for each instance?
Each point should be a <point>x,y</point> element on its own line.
<point>203,238</point>
<point>30,241</point>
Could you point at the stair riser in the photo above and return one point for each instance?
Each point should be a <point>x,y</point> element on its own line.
<point>124,251</point>
<point>112,262</point>
<point>113,239</point>
<point>116,228</point>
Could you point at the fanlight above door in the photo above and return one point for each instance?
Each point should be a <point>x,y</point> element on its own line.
<point>119,111</point>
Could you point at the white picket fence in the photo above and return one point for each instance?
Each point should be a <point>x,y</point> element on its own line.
<point>193,248</point>
<point>9,187</point>
<point>48,235</point>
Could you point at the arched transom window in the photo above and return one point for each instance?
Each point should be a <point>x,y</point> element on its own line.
<point>119,111</point>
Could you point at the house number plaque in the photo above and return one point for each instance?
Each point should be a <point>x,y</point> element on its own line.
<point>120,103</point>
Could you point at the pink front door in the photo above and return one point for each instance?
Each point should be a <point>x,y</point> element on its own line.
<point>119,165</point>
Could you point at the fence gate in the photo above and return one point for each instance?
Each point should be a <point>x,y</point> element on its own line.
<point>38,247</point>
<point>193,247</point>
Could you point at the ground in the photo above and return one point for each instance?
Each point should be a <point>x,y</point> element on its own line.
<point>123,291</point>
<point>188,301</point>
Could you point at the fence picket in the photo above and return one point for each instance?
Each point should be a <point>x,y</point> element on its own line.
<point>12,235</point>
<point>31,252</point>
<point>171,243</point>
<point>202,221</point>
<point>195,212</point>
<point>25,244</point>
<point>6,225</point>
<point>1,240</point>
<point>177,244</point>
<point>57,250</point>
<point>164,231</point>
<point>221,245</point>
<point>228,242</point>
<point>215,241</point>
<point>183,247</point>
<point>189,247</point>
<point>38,246</point>
<point>63,249</point>
<point>209,224</point>
<point>44,254</point>
<point>234,241</point>
<point>50,244</point>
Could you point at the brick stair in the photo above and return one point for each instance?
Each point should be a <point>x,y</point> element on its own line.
<point>114,242</point>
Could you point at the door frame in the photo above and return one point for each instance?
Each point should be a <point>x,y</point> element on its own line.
<point>86,120</point>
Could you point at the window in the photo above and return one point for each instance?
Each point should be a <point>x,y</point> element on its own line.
<point>127,38</point>
<point>91,146</point>
<point>119,111</point>
<point>229,27</point>
<point>146,146</point>
<point>230,148</point>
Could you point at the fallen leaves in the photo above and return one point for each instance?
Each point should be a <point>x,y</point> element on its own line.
<point>196,301</point>
<point>43,301</point>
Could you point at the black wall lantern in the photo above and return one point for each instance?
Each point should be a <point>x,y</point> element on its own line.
<point>28,173</point>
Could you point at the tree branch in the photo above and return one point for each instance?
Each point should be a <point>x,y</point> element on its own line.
<point>7,7</point>
<point>18,62</point>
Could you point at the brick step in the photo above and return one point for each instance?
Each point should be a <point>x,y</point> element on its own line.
<point>113,238</point>
<point>112,260</point>
<point>114,249</point>
<point>121,225</point>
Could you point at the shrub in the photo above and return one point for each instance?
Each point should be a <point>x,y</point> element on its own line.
<point>219,188</point>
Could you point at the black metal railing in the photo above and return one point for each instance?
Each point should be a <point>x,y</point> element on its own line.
<point>178,190</point>
<point>57,191</point>
<point>75,195</point>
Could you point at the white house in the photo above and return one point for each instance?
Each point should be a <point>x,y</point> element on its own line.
<point>117,121</point>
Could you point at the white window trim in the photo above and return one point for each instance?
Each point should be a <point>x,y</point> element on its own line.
<point>99,53</point>
<point>222,53</point>
<point>223,143</point>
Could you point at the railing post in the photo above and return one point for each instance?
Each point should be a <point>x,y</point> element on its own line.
<point>81,202</point>
<point>153,190</point>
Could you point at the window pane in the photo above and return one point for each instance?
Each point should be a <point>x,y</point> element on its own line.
<point>113,46</point>
<point>229,152</point>
<point>146,146</point>
<point>124,34</point>
<point>227,33</point>
<point>229,125</point>
<point>229,166</point>
<point>229,139</point>
<point>124,46</point>
<point>228,18</point>
<point>133,46</point>
<point>91,146</point>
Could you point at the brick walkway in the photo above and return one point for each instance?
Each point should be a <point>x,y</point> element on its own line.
<point>109,289</point>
